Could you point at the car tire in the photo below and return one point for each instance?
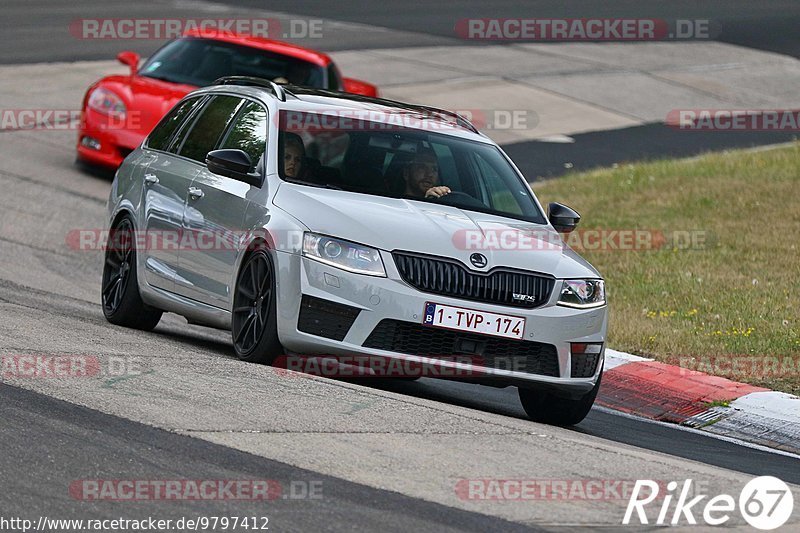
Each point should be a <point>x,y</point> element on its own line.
<point>254,326</point>
<point>545,407</point>
<point>122,304</point>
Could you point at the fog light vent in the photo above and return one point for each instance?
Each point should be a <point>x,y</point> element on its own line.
<point>324,318</point>
<point>584,357</point>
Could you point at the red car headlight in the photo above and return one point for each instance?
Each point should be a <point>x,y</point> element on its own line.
<point>106,102</point>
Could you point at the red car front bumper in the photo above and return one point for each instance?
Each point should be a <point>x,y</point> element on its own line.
<point>106,142</point>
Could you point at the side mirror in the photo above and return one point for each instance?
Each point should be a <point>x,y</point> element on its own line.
<point>131,59</point>
<point>234,164</point>
<point>351,85</point>
<point>563,219</point>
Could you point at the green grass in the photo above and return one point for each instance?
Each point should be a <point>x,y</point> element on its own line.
<point>732,304</point>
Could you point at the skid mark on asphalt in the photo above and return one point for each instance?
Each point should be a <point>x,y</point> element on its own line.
<point>16,294</point>
<point>55,251</point>
<point>52,186</point>
<point>111,383</point>
<point>361,406</point>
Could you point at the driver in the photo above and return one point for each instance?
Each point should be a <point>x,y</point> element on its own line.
<point>422,176</point>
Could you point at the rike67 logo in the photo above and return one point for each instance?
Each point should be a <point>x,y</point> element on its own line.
<point>765,503</point>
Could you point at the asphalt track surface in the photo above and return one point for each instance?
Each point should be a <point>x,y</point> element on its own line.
<point>35,30</point>
<point>770,25</point>
<point>49,300</point>
<point>53,441</point>
<point>194,387</point>
<point>542,160</point>
<point>609,425</point>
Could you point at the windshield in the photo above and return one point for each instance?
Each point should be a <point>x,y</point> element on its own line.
<point>200,62</point>
<point>387,159</point>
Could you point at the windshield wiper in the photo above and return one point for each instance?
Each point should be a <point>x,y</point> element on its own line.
<point>164,78</point>
<point>314,184</point>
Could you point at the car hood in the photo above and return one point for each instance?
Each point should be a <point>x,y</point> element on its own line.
<point>394,224</point>
<point>146,99</point>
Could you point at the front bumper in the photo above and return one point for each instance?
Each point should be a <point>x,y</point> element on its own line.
<point>115,140</point>
<point>391,298</point>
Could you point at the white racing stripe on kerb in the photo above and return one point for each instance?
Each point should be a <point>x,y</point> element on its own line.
<point>678,427</point>
<point>615,359</point>
<point>782,409</point>
<point>771,404</point>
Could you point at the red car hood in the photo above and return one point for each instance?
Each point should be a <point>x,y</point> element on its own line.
<point>146,99</point>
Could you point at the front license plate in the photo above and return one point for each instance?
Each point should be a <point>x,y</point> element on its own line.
<point>462,319</point>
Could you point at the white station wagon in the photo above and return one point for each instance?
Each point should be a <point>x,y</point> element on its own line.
<point>318,223</point>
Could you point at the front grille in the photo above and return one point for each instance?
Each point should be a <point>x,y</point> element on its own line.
<point>450,278</point>
<point>325,319</point>
<point>584,364</point>
<point>492,352</point>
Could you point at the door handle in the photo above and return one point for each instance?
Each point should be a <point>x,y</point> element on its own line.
<point>150,179</point>
<point>195,193</point>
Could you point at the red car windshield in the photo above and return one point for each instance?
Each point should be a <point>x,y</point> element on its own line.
<point>199,62</point>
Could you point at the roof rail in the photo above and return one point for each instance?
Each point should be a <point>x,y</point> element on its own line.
<point>461,121</point>
<point>250,81</point>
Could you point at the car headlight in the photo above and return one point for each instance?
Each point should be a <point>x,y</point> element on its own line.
<point>343,254</point>
<point>582,293</point>
<point>106,102</point>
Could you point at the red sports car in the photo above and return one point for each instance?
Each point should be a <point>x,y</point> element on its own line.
<point>119,111</point>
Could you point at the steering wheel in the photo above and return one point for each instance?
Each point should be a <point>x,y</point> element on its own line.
<point>458,199</point>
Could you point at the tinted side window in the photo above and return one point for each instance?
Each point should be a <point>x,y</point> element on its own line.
<point>249,132</point>
<point>208,127</point>
<point>161,135</point>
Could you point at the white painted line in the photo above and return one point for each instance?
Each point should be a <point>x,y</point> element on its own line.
<point>615,358</point>
<point>559,139</point>
<point>699,432</point>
